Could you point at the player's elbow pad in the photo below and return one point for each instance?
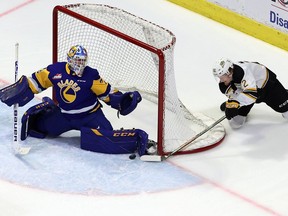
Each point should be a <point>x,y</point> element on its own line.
<point>18,92</point>
<point>125,103</point>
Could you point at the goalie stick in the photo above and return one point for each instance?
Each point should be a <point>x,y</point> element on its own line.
<point>159,158</point>
<point>18,148</point>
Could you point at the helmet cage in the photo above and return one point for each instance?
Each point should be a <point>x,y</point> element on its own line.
<point>221,68</point>
<point>77,59</point>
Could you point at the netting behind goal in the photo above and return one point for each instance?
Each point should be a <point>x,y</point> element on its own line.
<point>134,54</point>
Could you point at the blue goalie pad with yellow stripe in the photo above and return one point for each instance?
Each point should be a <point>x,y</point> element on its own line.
<point>114,141</point>
<point>30,117</point>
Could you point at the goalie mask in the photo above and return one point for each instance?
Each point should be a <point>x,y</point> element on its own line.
<point>77,59</point>
<point>222,67</point>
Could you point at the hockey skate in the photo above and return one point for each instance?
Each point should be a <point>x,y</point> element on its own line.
<point>151,147</point>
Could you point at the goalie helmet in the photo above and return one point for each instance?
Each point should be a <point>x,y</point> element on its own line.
<point>222,67</point>
<point>77,59</point>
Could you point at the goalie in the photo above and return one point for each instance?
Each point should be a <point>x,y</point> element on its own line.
<point>78,89</point>
<point>246,83</point>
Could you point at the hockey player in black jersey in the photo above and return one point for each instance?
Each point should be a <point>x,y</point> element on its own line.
<point>78,91</point>
<point>246,83</point>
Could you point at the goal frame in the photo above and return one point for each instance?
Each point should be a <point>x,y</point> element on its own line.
<point>158,52</point>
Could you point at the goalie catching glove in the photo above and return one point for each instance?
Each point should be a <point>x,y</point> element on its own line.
<point>231,110</point>
<point>18,92</point>
<point>125,103</point>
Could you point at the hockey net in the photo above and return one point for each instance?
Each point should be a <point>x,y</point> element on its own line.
<point>134,54</point>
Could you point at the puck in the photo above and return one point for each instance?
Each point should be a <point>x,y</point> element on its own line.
<point>132,156</point>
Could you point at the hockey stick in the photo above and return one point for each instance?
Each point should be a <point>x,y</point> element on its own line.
<point>158,158</point>
<point>18,149</point>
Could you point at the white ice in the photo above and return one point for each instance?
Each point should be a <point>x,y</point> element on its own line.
<point>245,175</point>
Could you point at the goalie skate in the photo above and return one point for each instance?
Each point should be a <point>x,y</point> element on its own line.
<point>151,147</point>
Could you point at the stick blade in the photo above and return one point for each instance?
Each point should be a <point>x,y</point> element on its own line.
<point>151,158</point>
<point>21,150</point>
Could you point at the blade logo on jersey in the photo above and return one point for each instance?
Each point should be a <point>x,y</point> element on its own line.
<point>68,90</point>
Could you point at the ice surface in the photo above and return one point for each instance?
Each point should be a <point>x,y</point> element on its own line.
<point>245,175</point>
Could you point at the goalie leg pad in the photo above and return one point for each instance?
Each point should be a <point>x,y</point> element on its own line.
<point>114,141</point>
<point>18,92</point>
<point>31,116</point>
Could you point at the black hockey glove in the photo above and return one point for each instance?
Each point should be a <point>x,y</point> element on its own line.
<point>231,110</point>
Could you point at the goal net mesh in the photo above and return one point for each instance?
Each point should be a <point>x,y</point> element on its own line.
<point>134,54</point>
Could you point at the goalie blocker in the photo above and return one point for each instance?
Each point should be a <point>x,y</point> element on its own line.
<point>19,93</point>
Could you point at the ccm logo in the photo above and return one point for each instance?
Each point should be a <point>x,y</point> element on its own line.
<point>124,134</point>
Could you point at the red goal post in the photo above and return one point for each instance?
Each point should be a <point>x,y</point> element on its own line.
<point>134,54</point>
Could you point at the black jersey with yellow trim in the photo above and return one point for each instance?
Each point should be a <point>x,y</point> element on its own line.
<point>247,79</point>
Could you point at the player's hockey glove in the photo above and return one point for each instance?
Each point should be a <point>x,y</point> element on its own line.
<point>18,92</point>
<point>30,117</point>
<point>231,110</point>
<point>125,103</point>
<point>223,106</point>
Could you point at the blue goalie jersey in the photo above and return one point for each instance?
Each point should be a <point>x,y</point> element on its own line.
<point>76,96</point>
